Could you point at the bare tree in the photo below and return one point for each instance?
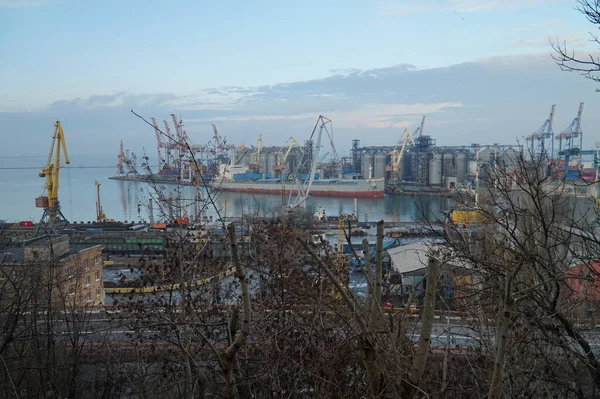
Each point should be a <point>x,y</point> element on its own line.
<point>567,59</point>
<point>531,230</point>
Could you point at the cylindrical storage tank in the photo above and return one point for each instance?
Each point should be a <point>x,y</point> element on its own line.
<point>509,158</point>
<point>271,160</point>
<point>461,166</point>
<point>379,164</point>
<point>262,163</point>
<point>366,164</point>
<point>406,173</point>
<point>448,164</point>
<point>472,167</point>
<point>435,170</point>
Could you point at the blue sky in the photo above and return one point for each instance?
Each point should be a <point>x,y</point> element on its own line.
<point>477,68</point>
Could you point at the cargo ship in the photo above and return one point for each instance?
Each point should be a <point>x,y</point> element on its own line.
<point>238,179</point>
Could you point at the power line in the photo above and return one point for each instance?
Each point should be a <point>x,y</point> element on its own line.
<point>62,167</point>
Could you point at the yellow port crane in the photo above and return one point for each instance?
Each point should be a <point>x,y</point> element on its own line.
<point>100,216</point>
<point>397,155</point>
<point>50,203</point>
<point>281,157</point>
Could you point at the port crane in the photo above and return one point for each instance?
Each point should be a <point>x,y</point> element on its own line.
<point>100,216</point>
<point>258,150</point>
<point>419,131</point>
<point>304,185</point>
<point>121,158</point>
<point>397,154</point>
<point>573,138</point>
<point>544,136</point>
<point>181,134</point>
<point>281,157</point>
<point>50,203</point>
<point>161,143</point>
<point>218,141</point>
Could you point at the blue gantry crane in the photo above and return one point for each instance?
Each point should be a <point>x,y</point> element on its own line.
<point>541,142</point>
<point>570,143</point>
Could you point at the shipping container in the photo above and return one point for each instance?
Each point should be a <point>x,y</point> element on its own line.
<point>26,223</point>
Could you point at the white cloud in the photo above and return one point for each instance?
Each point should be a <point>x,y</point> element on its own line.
<point>408,7</point>
<point>573,41</point>
<point>374,116</point>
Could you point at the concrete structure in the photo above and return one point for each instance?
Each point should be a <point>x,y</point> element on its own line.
<point>380,162</point>
<point>435,170</point>
<point>76,276</point>
<point>367,165</point>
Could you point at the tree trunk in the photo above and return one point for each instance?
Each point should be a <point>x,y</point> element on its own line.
<point>497,383</point>
<point>420,361</point>
<point>231,372</point>
<point>378,267</point>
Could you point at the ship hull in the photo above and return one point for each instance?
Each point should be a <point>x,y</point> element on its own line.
<point>349,188</point>
<point>339,188</point>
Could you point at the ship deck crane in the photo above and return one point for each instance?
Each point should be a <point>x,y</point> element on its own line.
<point>50,202</point>
<point>398,154</point>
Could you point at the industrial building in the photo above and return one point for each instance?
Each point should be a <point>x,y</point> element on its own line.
<point>416,163</point>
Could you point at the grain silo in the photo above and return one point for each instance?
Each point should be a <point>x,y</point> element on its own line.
<point>448,164</point>
<point>271,161</point>
<point>461,162</point>
<point>262,163</point>
<point>366,165</point>
<point>379,164</point>
<point>435,170</point>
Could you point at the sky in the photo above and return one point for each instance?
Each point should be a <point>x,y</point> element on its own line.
<point>481,70</point>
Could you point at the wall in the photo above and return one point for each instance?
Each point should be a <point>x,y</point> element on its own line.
<point>80,278</point>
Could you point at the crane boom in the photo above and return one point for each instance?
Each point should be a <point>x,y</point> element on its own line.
<point>579,113</point>
<point>282,158</point>
<point>50,202</point>
<point>216,136</point>
<point>181,136</point>
<point>420,133</point>
<point>398,154</point>
<point>303,187</point>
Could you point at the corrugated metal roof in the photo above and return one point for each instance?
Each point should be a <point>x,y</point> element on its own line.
<point>410,257</point>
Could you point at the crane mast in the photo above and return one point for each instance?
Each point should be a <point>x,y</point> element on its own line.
<point>121,158</point>
<point>50,202</point>
<point>398,154</point>
<point>281,157</point>
<point>217,137</point>
<point>303,186</point>
<point>420,128</point>
<point>159,143</point>
<point>181,136</point>
<point>100,216</point>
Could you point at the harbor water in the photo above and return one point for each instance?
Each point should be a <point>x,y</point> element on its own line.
<point>125,200</point>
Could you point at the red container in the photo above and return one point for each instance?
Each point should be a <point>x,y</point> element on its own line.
<point>26,223</point>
